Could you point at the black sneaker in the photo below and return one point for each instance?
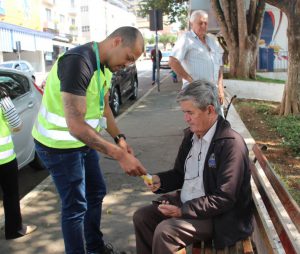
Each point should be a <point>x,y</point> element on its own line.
<point>108,249</point>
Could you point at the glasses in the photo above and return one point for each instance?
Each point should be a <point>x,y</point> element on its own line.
<point>189,176</point>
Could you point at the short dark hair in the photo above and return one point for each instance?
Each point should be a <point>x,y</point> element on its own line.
<point>129,35</point>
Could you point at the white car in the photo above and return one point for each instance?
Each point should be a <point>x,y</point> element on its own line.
<point>164,62</point>
<point>20,65</point>
<point>26,97</point>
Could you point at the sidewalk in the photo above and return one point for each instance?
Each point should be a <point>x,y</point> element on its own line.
<point>153,127</point>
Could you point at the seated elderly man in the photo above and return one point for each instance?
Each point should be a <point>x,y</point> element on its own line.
<point>211,180</point>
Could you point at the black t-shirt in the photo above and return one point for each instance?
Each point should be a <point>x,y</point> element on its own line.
<point>75,71</point>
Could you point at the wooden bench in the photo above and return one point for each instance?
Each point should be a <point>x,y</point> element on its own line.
<point>276,215</point>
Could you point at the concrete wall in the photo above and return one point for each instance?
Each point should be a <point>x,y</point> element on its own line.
<point>32,57</point>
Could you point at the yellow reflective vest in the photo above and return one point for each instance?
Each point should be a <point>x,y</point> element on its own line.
<point>7,153</point>
<point>50,128</point>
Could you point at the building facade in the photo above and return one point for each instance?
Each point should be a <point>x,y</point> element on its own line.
<point>37,30</point>
<point>101,17</point>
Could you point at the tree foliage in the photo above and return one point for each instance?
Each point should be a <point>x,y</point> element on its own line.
<point>167,38</point>
<point>150,40</point>
<point>175,9</point>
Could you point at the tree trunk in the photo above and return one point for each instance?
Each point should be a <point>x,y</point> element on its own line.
<point>290,103</point>
<point>243,64</point>
<point>241,30</point>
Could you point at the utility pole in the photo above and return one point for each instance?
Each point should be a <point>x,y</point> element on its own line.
<point>157,55</point>
<point>18,48</point>
<point>155,25</point>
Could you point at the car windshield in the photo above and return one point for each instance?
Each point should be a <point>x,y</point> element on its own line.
<point>6,65</point>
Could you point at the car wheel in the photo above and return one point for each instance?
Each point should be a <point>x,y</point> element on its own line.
<point>37,163</point>
<point>115,105</point>
<point>134,90</point>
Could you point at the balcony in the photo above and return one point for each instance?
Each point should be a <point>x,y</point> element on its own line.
<point>72,10</point>
<point>49,24</point>
<point>51,31</point>
<point>48,2</point>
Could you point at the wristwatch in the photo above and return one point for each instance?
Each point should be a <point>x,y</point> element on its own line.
<point>118,137</point>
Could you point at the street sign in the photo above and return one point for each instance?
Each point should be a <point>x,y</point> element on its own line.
<point>156,20</point>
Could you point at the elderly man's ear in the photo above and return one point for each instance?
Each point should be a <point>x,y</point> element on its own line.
<point>210,109</point>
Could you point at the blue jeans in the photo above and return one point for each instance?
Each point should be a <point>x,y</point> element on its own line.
<point>81,187</point>
<point>153,70</point>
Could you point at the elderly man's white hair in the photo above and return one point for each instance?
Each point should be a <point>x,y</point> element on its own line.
<point>196,14</point>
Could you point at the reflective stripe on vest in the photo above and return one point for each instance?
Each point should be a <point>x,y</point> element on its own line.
<point>56,134</point>
<point>6,154</point>
<point>61,121</point>
<point>5,140</point>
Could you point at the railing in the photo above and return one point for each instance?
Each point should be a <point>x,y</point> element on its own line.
<point>281,60</point>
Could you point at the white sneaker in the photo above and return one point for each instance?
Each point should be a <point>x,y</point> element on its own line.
<point>27,229</point>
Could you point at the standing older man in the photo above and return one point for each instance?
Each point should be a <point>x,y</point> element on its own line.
<point>211,177</point>
<point>74,110</point>
<point>198,55</point>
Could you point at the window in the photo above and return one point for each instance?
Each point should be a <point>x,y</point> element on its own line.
<point>16,85</point>
<point>84,8</point>
<point>18,67</point>
<point>73,22</point>
<point>85,28</point>
<point>48,14</point>
<point>62,19</point>
<point>24,67</point>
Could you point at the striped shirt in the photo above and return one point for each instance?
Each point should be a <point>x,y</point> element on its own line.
<point>10,113</point>
<point>198,60</point>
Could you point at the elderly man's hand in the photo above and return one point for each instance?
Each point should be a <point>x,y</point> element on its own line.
<point>155,183</point>
<point>170,210</point>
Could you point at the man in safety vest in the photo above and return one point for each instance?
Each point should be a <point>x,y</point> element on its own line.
<point>75,107</point>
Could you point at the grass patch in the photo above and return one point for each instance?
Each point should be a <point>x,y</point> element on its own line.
<point>258,78</point>
<point>288,127</point>
<point>269,80</point>
<point>282,133</point>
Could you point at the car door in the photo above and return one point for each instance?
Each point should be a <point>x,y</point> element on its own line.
<point>125,82</point>
<point>27,102</point>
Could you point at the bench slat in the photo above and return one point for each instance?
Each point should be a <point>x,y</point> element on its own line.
<point>274,214</point>
<point>247,246</point>
<point>208,248</point>
<point>241,247</point>
<point>263,229</point>
<point>288,202</point>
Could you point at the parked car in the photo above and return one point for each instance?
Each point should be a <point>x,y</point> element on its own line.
<point>164,62</point>
<point>148,49</point>
<point>20,65</point>
<point>124,86</point>
<point>26,97</point>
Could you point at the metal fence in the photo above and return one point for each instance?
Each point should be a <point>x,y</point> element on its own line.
<point>281,60</point>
